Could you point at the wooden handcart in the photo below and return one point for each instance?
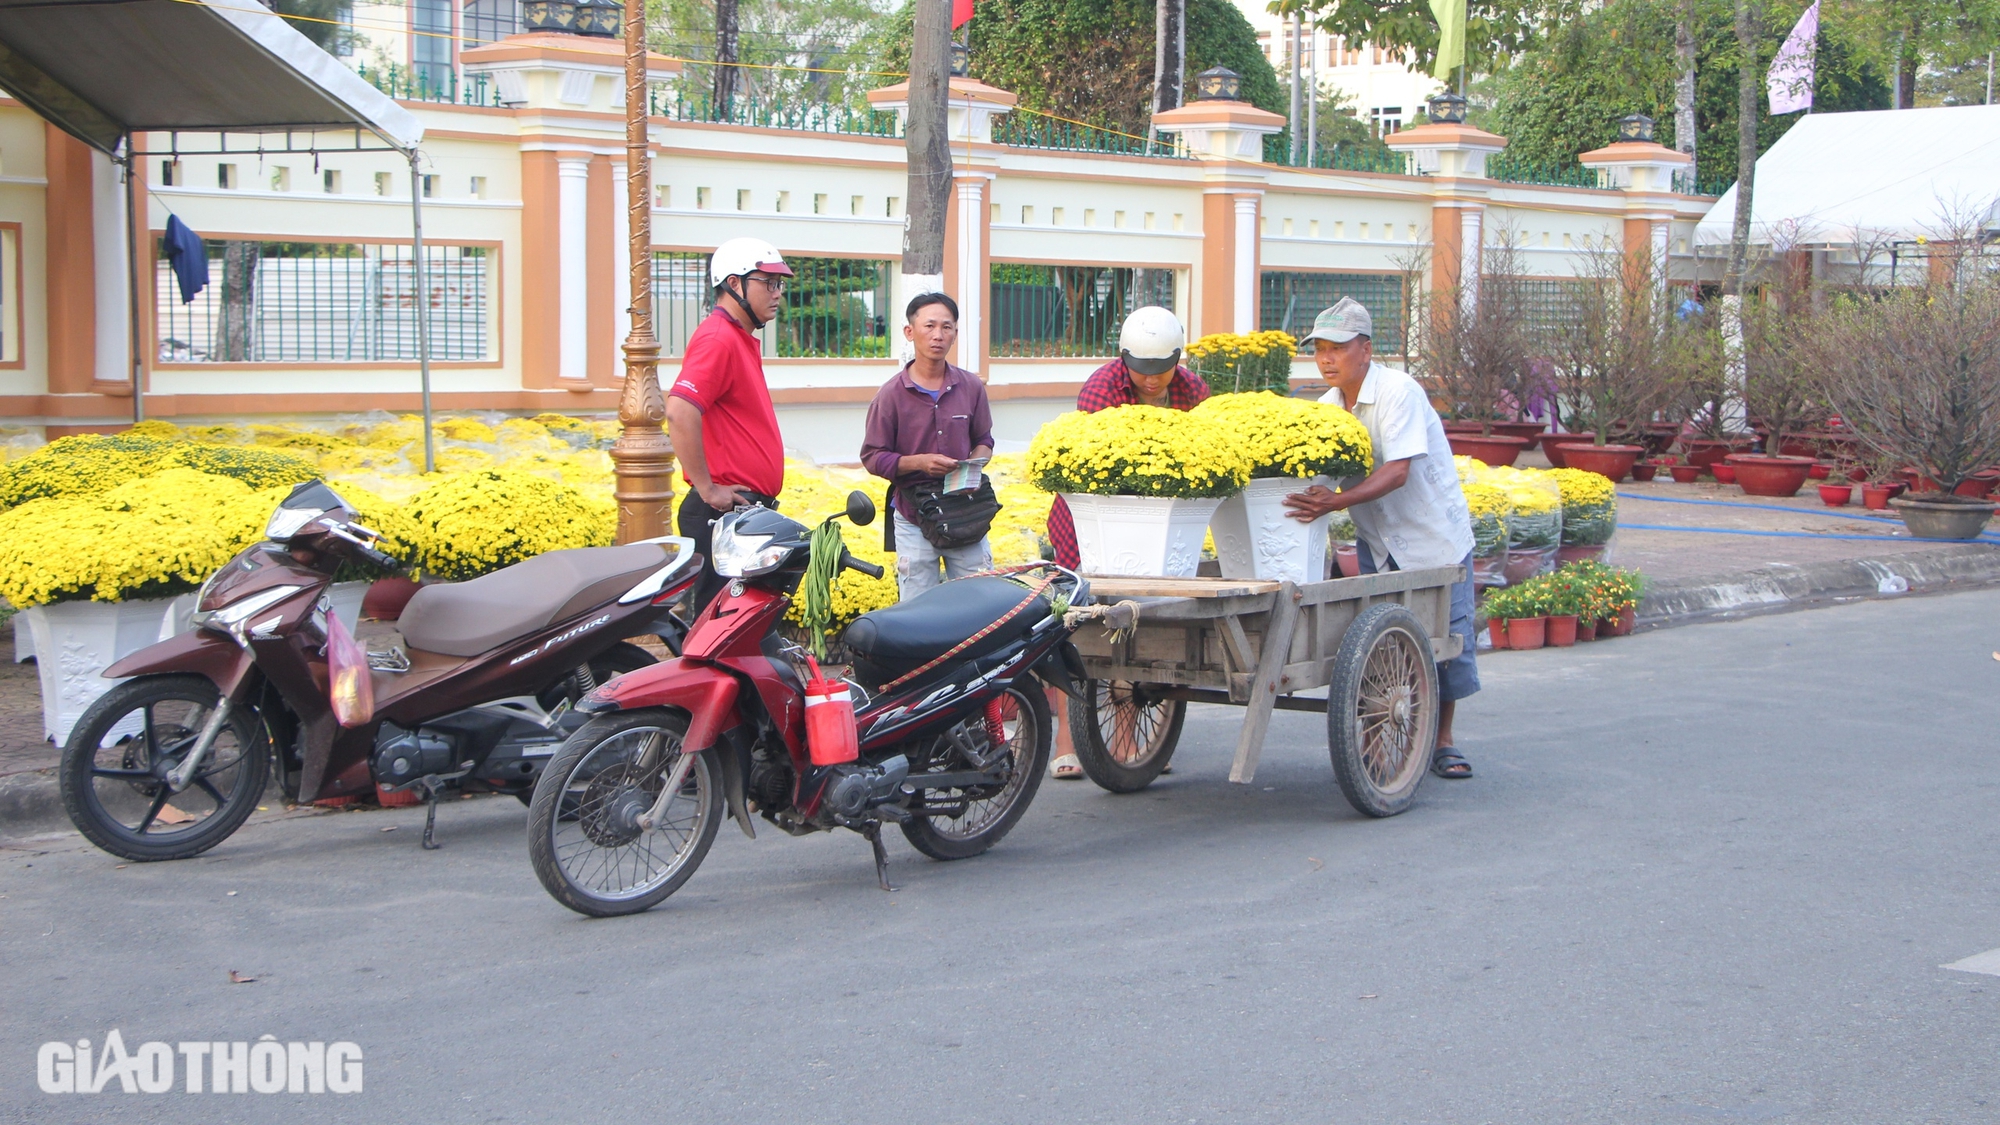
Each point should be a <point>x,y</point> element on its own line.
<point>1373,642</point>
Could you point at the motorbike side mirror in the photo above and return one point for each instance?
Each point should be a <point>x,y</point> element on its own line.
<point>860,509</point>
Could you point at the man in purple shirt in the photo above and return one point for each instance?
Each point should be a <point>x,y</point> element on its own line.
<point>923,422</point>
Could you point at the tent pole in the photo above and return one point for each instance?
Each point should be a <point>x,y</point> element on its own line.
<point>423,303</point>
<point>132,168</point>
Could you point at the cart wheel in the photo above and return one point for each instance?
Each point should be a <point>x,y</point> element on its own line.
<point>1382,710</point>
<point>1124,734</point>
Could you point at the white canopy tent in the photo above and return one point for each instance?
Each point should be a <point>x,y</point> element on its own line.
<point>104,70</point>
<point>1837,179</point>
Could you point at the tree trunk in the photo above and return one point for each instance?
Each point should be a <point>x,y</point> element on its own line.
<point>725,57</point>
<point>1749,70</point>
<point>1169,55</point>
<point>928,149</point>
<point>235,337</point>
<point>1684,122</point>
<point>1906,74</point>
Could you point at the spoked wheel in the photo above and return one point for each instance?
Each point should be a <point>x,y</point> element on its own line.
<point>1124,733</point>
<point>969,821</point>
<point>116,767</point>
<point>1382,710</point>
<point>588,835</point>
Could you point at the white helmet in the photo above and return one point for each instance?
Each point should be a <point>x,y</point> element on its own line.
<point>739,256</point>
<point>1150,342</point>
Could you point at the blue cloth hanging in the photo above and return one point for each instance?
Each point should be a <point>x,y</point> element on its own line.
<point>188,258</point>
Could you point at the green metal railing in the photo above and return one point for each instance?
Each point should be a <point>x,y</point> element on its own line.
<point>1026,129</point>
<point>1507,169</point>
<point>1340,158</point>
<point>1052,311</point>
<point>810,117</point>
<point>1690,183</point>
<point>1290,299</point>
<point>424,85</point>
<point>834,308</point>
<point>296,302</point>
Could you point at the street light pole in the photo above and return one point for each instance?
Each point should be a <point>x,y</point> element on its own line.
<point>642,459</point>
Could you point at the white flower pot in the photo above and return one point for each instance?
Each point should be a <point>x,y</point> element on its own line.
<point>74,642</point>
<point>1151,536</point>
<point>1255,537</point>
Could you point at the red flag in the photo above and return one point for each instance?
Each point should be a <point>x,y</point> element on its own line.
<point>961,10</point>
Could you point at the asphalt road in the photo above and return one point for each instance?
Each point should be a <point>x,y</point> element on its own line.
<point>1703,874</point>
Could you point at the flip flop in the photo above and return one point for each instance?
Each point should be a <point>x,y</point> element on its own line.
<point>1449,763</point>
<point>1066,768</point>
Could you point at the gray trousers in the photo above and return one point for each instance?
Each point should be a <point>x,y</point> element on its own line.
<point>917,560</point>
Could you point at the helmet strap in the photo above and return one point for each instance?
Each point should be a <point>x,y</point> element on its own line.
<point>742,302</point>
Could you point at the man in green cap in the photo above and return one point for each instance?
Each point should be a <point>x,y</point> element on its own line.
<point>1409,512</point>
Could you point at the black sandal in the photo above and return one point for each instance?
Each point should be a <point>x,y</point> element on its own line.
<point>1449,763</point>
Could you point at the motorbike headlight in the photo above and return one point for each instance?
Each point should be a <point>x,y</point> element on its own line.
<point>736,555</point>
<point>287,522</point>
<point>230,618</point>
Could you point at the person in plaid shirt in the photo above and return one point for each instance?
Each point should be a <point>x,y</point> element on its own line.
<point>1147,371</point>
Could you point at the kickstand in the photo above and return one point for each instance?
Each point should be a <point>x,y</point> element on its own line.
<point>430,815</point>
<point>874,834</point>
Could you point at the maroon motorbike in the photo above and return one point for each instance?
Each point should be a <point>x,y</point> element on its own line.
<point>473,692</point>
<point>947,738</point>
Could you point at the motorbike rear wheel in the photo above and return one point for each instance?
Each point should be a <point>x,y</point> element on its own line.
<point>986,817</point>
<point>115,764</point>
<point>584,838</point>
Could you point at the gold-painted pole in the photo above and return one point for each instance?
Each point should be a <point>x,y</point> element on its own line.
<point>642,459</point>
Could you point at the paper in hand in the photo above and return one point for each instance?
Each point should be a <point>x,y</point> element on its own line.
<point>966,476</point>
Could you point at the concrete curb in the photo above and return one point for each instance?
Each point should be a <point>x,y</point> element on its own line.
<point>31,802</point>
<point>1776,589</point>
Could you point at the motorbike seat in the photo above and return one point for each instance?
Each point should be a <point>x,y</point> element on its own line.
<point>468,618</point>
<point>890,642</point>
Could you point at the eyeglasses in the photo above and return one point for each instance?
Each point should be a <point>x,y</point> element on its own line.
<point>774,284</point>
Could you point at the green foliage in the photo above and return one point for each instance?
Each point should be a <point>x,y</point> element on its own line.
<point>1565,96</point>
<point>1495,30</point>
<point>1092,60</point>
<point>798,51</point>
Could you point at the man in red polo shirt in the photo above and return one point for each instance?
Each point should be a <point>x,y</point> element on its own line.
<point>719,413</point>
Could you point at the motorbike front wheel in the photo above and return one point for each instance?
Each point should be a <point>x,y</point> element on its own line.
<point>118,757</point>
<point>586,833</point>
<point>973,820</point>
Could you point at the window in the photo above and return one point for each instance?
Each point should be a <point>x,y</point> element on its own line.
<point>225,176</point>
<point>854,205</point>
<point>1027,216</point>
<point>281,178</point>
<point>10,294</point>
<point>1068,310</point>
<point>487,21</point>
<point>891,210</point>
<point>431,42</point>
<point>383,184</point>
<point>1055,216</point>
<point>663,196</point>
<point>430,186</point>
<point>171,174</point>
<point>1291,299</point>
<point>330,180</point>
<point>819,203</point>
<point>835,308</point>
<point>479,187</point>
<point>308,302</point>
<point>743,199</point>
<point>784,201</point>
<point>1386,119</point>
<point>701,199</point>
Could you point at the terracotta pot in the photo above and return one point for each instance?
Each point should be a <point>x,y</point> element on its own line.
<point>1876,496</point>
<point>1898,487</point>
<point>1590,553</point>
<point>1796,445</point>
<point>1857,475</point>
<point>1707,451</point>
<point>1644,471</point>
<point>1609,461</point>
<point>1979,486</point>
<point>1820,471</point>
<point>1771,476</point>
<point>1658,437</point>
<point>1620,625</point>
<point>1497,629</point>
<point>1561,631</point>
<point>1349,560</point>
<point>1586,630</point>
<point>1496,450</point>
<point>1724,473</point>
<point>1685,474</point>
<point>1935,516</point>
<point>1527,632</point>
<point>1529,430</point>
<point>1837,495</point>
<point>1551,441</point>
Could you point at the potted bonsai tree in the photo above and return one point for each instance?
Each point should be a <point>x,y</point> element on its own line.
<point>1619,356</point>
<point>1476,354</point>
<point>1915,370</point>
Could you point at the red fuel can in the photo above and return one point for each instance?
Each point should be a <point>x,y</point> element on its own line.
<point>830,735</point>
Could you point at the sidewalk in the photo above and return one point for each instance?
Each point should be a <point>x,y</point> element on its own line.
<point>1708,553</point>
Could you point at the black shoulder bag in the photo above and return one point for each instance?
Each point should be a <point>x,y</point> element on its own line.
<point>953,519</point>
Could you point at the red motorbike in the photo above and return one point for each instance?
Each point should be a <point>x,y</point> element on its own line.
<point>473,695</point>
<point>948,736</point>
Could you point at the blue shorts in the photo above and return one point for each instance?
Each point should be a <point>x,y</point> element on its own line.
<point>1459,676</point>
